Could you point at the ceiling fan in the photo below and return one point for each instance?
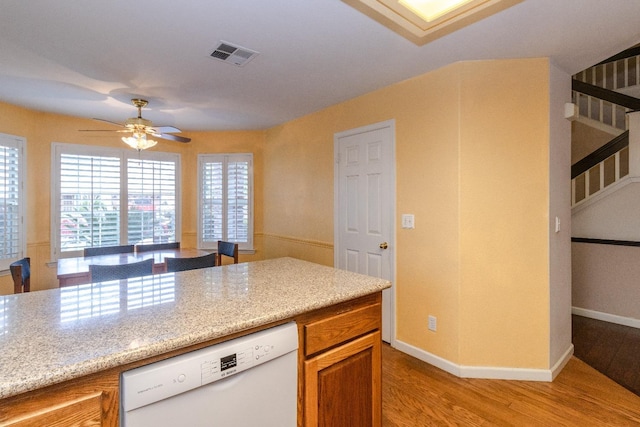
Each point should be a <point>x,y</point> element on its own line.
<point>140,127</point>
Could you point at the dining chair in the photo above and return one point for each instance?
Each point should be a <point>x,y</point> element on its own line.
<point>157,246</point>
<point>101,273</point>
<point>182,264</point>
<point>21,274</point>
<point>227,249</point>
<point>106,250</point>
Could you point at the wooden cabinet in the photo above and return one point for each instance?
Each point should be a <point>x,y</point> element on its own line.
<point>341,366</point>
<point>87,402</point>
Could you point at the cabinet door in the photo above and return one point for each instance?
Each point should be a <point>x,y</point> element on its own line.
<point>91,401</point>
<point>85,411</point>
<point>343,385</point>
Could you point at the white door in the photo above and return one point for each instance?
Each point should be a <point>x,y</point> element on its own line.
<point>365,207</point>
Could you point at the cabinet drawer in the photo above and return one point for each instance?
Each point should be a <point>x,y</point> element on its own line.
<point>342,327</point>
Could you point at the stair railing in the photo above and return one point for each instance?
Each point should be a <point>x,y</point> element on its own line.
<point>602,111</point>
<point>603,105</point>
<point>618,72</point>
<point>605,166</point>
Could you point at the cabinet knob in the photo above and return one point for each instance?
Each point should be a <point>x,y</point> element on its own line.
<point>384,245</point>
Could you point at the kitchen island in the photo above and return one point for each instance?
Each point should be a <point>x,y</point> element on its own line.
<point>75,341</point>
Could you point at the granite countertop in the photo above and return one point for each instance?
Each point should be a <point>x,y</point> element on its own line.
<point>56,335</point>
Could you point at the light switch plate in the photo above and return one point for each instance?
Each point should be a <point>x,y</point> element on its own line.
<point>408,221</point>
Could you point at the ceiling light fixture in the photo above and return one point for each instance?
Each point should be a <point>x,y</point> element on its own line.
<point>422,21</point>
<point>430,10</point>
<point>139,141</point>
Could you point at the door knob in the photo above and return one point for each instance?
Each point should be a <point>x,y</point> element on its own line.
<point>384,245</point>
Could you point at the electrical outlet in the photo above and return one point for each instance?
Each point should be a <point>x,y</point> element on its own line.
<point>433,323</point>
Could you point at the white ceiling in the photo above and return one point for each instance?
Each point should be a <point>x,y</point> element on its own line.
<point>89,58</point>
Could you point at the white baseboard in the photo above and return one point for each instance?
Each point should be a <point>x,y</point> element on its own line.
<point>425,356</point>
<point>606,317</point>
<point>520,374</point>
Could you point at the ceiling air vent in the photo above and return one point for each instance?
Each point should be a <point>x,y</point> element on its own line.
<point>232,54</point>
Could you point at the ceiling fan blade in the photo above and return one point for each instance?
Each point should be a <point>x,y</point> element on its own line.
<point>105,130</point>
<point>109,121</point>
<point>138,125</point>
<point>172,137</point>
<point>166,129</point>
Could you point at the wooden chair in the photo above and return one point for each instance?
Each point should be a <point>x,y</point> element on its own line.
<point>106,250</point>
<point>21,274</point>
<point>157,246</point>
<point>182,264</point>
<point>227,249</point>
<point>101,273</point>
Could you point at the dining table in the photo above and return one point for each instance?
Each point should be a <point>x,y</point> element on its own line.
<point>75,271</point>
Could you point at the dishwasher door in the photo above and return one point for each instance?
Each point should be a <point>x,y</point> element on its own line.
<point>244,382</point>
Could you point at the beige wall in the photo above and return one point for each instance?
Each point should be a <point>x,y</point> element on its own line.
<point>504,174</point>
<point>473,166</point>
<point>41,129</point>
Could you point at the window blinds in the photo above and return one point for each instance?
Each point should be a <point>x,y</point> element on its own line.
<point>10,202</point>
<point>89,201</point>
<point>225,199</point>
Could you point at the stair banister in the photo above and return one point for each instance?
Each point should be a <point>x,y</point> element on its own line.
<point>634,143</point>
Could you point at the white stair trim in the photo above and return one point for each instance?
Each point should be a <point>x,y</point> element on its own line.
<point>604,193</point>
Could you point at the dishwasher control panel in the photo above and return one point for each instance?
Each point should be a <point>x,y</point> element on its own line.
<point>170,377</point>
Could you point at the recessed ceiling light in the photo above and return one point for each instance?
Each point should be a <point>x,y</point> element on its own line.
<point>429,10</point>
<point>422,21</point>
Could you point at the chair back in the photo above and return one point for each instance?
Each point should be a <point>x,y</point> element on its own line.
<point>227,249</point>
<point>157,246</point>
<point>21,274</point>
<point>107,250</point>
<point>182,264</point>
<point>101,273</point>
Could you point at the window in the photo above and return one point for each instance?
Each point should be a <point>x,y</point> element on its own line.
<point>225,199</point>
<point>108,197</point>
<point>152,201</point>
<point>12,228</point>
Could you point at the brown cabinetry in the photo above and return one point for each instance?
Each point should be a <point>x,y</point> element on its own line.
<point>87,402</point>
<point>341,365</point>
<point>339,382</point>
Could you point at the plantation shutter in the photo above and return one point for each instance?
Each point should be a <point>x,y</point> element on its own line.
<point>151,200</point>
<point>211,212</point>
<point>237,200</point>
<point>11,201</point>
<point>226,200</point>
<point>89,201</point>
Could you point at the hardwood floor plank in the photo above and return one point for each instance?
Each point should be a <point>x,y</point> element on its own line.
<point>418,394</point>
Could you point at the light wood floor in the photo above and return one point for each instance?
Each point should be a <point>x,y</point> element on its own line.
<point>415,394</point>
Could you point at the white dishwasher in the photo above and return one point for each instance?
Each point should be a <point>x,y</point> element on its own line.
<point>247,381</point>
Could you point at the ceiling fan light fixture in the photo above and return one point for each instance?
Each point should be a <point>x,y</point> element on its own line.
<point>140,127</point>
<point>139,141</point>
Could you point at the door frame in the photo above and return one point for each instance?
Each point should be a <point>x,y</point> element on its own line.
<point>391,124</point>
